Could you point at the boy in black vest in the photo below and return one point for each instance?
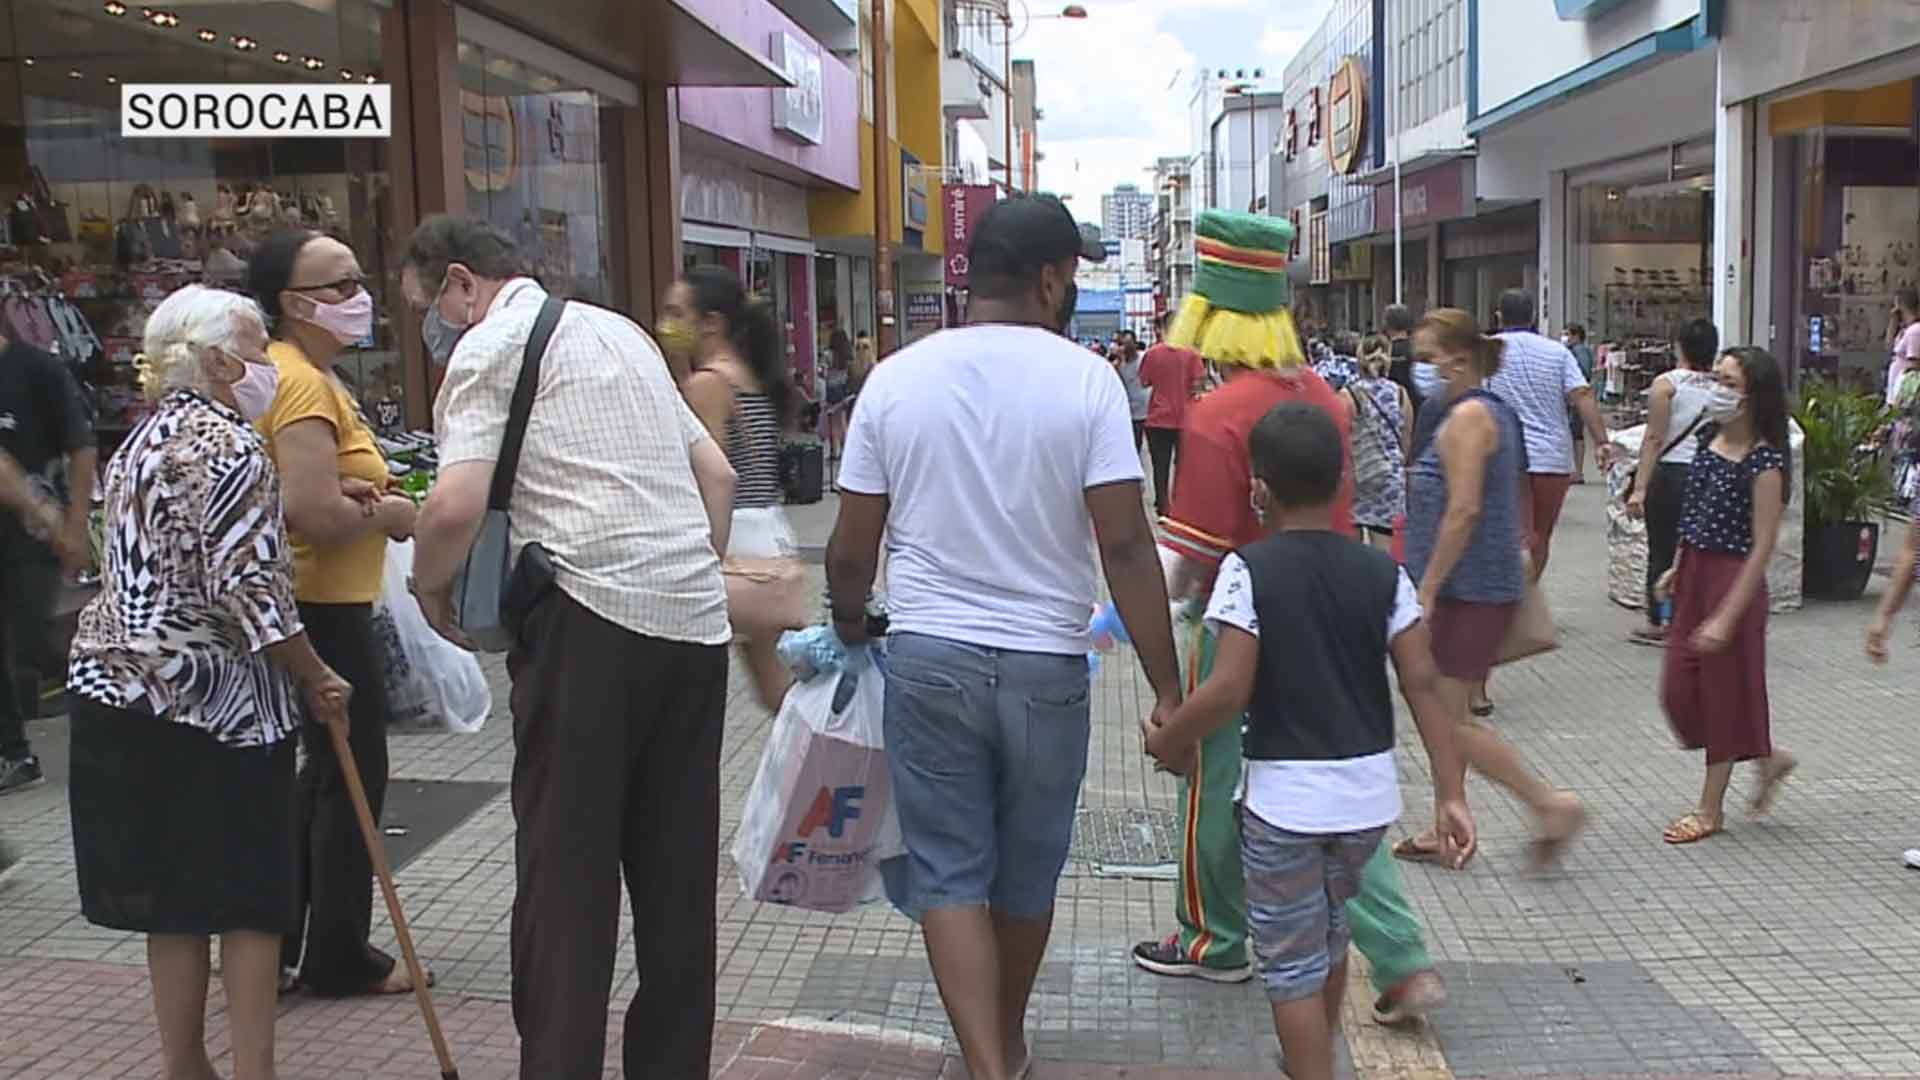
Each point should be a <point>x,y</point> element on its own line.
<point>1307,620</point>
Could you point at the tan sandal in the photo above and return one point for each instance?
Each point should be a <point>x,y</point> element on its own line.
<point>1689,829</point>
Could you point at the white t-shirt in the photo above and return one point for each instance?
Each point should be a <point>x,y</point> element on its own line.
<point>984,440</point>
<point>1905,348</point>
<point>1313,796</point>
<point>1536,375</point>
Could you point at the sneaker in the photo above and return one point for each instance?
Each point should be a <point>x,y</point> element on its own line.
<point>1411,999</point>
<point>19,774</point>
<point>1166,958</point>
<point>1913,859</point>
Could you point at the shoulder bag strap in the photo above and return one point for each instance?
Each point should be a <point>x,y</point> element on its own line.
<point>524,388</point>
<point>1698,419</point>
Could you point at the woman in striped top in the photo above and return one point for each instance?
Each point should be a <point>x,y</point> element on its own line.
<point>740,389</point>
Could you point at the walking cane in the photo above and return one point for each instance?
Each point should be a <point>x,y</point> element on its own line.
<point>377,852</point>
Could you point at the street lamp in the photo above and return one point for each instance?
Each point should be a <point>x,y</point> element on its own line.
<point>1005,11</point>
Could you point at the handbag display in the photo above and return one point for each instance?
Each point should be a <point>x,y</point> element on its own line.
<point>54,222</point>
<point>497,587</point>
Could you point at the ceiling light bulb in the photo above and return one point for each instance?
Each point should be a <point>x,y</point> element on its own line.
<point>244,43</point>
<point>115,8</point>
<point>281,56</point>
<point>207,35</point>
<point>27,61</point>
<point>372,78</point>
<point>312,63</point>
<point>113,78</point>
<point>73,73</point>
<point>346,74</point>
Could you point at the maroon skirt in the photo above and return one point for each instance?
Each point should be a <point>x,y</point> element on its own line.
<point>1716,701</point>
<point>1467,636</point>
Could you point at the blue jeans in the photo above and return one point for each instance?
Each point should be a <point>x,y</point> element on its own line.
<point>987,749</point>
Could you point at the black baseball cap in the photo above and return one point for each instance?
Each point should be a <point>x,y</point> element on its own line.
<point>1020,235</point>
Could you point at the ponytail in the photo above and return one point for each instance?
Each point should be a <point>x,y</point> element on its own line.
<point>1489,351</point>
<point>752,329</point>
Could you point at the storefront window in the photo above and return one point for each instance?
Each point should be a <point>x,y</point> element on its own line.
<point>1641,253</point>
<point>100,228</point>
<point>1856,243</point>
<point>534,165</point>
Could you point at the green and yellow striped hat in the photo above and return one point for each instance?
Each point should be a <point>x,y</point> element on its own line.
<point>1237,312</point>
<point>1242,260</point>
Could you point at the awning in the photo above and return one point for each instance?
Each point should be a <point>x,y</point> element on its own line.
<point>677,42</point>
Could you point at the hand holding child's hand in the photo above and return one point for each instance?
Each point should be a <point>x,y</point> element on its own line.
<point>1453,825</point>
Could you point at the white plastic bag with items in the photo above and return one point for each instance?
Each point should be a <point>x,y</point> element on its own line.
<point>432,684</point>
<point>819,817</point>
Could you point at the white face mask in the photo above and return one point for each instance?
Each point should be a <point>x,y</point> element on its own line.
<point>254,390</point>
<point>1428,380</point>
<point>1724,404</point>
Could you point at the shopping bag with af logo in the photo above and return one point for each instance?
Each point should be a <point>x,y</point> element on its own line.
<point>819,817</point>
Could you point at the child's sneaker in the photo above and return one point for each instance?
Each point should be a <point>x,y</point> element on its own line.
<point>1166,958</point>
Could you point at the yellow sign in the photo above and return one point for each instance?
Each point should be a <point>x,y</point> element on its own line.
<point>1346,115</point>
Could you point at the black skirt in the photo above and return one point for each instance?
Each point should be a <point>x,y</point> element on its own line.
<point>176,833</point>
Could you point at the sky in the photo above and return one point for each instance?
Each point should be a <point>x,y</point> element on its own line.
<point>1114,87</point>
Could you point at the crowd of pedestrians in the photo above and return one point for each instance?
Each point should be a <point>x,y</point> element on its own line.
<point>1327,515</point>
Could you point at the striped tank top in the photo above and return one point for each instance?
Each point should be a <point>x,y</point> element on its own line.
<point>753,449</point>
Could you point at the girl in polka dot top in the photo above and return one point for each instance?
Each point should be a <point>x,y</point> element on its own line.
<point>1714,683</point>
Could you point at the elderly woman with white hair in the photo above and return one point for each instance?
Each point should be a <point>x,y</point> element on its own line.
<point>186,678</point>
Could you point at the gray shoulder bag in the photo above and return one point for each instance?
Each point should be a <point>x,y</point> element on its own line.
<point>498,587</point>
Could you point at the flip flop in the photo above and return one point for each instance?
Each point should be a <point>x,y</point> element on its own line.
<point>1410,849</point>
<point>1769,789</point>
<point>1689,829</point>
<point>1481,711</point>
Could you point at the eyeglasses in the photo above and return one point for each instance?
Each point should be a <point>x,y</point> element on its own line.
<point>348,287</point>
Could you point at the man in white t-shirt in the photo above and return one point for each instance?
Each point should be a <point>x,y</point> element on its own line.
<point>994,460</point>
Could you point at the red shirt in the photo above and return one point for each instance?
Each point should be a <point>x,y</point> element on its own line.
<point>1213,479</point>
<point>1171,373</point>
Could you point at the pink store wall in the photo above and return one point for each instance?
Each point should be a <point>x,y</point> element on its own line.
<point>743,116</point>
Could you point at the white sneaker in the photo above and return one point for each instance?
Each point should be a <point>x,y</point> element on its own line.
<point>1913,858</point>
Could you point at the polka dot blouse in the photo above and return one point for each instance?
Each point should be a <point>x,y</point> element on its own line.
<point>1718,513</point>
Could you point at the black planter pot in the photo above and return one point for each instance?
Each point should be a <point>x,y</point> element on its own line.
<point>1839,559</point>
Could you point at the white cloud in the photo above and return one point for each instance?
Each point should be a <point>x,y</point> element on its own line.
<point>1102,84</point>
<point>1279,43</point>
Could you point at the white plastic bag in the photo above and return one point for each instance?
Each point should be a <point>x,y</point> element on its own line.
<point>432,684</point>
<point>819,817</point>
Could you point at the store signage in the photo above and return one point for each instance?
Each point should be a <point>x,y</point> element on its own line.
<point>800,110</point>
<point>1440,193</point>
<point>913,200</point>
<point>1347,119</point>
<point>965,204</point>
<point>275,110</point>
<point>1319,253</point>
<point>925,310</point>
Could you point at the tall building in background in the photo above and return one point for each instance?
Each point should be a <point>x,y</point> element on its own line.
<point>1126,213</point>
<point>1170,250</point>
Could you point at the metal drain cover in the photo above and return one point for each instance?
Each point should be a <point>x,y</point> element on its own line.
<point>1130,842</point>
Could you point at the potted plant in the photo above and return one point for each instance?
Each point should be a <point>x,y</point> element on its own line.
<point>1848,488</point>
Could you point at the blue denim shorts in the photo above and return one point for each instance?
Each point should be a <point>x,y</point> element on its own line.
<point>987,749</point>
<point>1298,885</point>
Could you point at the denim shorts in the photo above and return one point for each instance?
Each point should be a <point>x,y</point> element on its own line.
<point>1298,885</point>
<point>987,749</point>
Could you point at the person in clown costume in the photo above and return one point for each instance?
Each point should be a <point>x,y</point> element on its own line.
<point>1237,318</point>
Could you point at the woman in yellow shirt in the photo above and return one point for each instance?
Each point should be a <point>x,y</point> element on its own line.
<point>317,307</point>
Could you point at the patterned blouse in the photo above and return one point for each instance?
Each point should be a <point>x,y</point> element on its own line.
<point>198,579</point>
<point>1718,513</point>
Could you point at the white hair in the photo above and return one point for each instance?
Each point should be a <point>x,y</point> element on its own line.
<point>184,330</point>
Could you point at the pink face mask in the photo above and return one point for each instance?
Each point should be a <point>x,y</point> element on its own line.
<point>350,321</point>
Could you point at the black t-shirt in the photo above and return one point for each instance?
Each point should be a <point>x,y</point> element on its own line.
<point>43,418</point>
<point>1401,370</point>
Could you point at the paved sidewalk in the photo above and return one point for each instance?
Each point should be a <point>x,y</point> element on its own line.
<point>1777,948</point>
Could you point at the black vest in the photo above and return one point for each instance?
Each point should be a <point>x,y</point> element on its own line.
<point>1321,694</point>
